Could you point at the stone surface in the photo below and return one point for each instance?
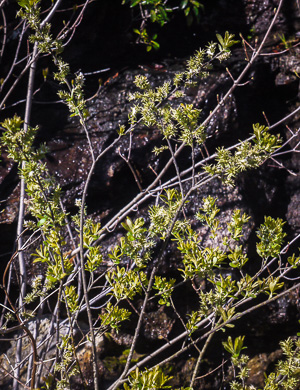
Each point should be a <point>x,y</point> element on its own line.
<point>258,366</point>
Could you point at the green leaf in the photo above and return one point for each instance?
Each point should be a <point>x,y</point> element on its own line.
<point>183,4</point>
<point>187,11</point>
<point>41,222</point>
<point>234,348</point>
<point>271,237</point>
<point>134,3</point>
<point>196,11</point>
<point>155,45</point>
<point>220,39</point>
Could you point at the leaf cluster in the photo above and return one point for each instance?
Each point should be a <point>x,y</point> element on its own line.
<point>248,155</point>
<point>161,108</point>
<point>160,12</point>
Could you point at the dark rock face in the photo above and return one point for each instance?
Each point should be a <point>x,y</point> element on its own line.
<point>273,88</point>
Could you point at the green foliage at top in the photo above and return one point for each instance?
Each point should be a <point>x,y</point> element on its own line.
<point>160,12</point>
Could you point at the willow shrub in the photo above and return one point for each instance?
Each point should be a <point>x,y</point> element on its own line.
<point>134,270</point>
